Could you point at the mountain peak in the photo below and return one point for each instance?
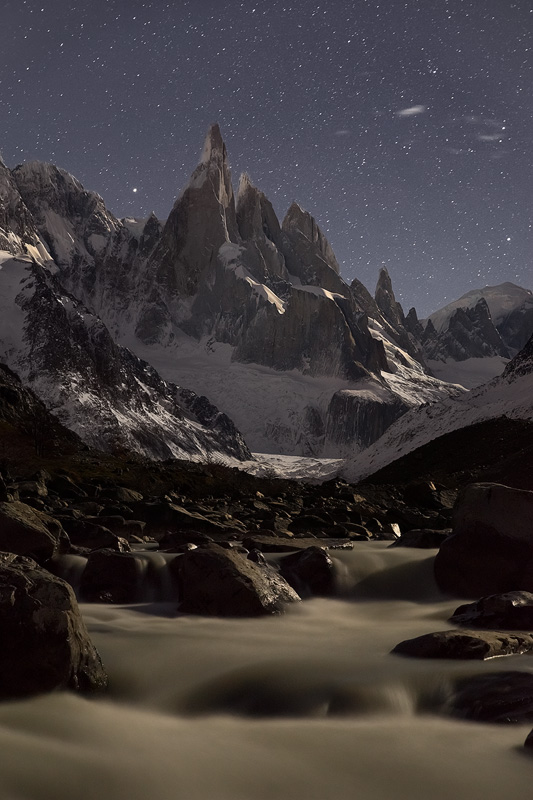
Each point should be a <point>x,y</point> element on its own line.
<point>214,147</point>
<point>299,221</point>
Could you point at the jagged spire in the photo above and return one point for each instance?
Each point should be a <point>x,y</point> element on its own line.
<point>298,220</point>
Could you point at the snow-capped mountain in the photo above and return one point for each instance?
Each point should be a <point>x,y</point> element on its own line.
<point>470,340</point>
<point>509,395</point>
<point>245,310</point>
<point>66,354</point>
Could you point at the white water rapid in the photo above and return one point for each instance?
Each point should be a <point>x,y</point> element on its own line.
<point>306,706</point>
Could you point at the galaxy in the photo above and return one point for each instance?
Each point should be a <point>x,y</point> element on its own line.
<point>403,127</point>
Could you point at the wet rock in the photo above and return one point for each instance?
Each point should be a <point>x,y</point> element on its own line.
<point>272,544</point>
<point>84,533</point>
<point>27,531</point>
<point>425,538</point>
<point>110,577</point>
<point>309,572</point>
<point>510,611</point>
<point>219,582</point>
<point>45,644</point>
<point>121,494</point>
<point>501,697</point>
<point>491,550</point>
<point>529,742</point>
<point>466,645</point>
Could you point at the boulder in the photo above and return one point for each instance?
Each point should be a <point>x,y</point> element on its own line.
<point>478,645</point>
<point>121,494</point>
<point>45,644</point>
<point>84,533</point>
<point>502,697</point>
<point>26,531</point>
<point>218,582</point>
<point>309,572</point>
<point>529,741</point>
<point>274,544</point>
<point>511,611</point>
<point>424,538</point>
<point>491,549</point>
<point>110,577</point>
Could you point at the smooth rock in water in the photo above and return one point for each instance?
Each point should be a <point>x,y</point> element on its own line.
<point>273,544</point>
<point>309,572</point>
<point>424,538</point>
<point>529,741</point>
<point>466,644</point>
<point>491,550</point>
<point>110,577</point>
<point>218,582</point>
<point>45,644</point>
<point>510,611</point>
<point>502,697</point>
<point>26,531</point>
<point>84,533</point>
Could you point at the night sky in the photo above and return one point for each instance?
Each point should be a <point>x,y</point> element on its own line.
<point>405,128</point>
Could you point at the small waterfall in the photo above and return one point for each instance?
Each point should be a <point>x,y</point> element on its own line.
<point>155,582</point>
<point>374,571</point>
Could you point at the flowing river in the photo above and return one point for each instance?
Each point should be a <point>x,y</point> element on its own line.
<point>310,705</point>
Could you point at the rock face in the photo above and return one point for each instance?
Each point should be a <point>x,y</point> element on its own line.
<point>510,309</point>
<point>478,645</point>
<point>219,582</point>
<point>45,644</point>
<point>491,550</point>
<point>510,611</point>
<point>470,333</point>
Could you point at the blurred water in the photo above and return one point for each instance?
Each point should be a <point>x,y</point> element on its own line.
<point>307,706</point>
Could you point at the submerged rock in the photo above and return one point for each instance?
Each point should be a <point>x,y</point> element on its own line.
<point>45,644</point>
<point>503,697</point>
<point>309,572</point>
<point>466,644</point>
<point>218,582</point>
<point>510,611</point>
<point>424,538</point>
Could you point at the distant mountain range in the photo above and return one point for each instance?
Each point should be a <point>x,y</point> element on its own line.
<point>222,330</point>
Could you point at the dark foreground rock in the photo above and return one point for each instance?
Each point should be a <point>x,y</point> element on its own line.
<point>466,644</point>
<point>273,544</point>
<point>511,611</point>
<point>219,582</point>
<point>423,538</point>
<point>310,572</point>
<point>45,644</point>
<point>27,531</point>
<point>502,697</point>
<point>529,742</point>
<point>491,550</point>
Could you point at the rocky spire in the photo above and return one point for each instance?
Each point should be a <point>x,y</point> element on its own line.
<point>298,220</point>
<point>259,225</point>
<point>202,220</point>
<point>387,303</point>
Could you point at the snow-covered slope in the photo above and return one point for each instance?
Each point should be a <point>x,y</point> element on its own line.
<point>510,395</point>
<point>95,387</point>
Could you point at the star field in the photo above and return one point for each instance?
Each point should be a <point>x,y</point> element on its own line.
<point>403,127</point>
